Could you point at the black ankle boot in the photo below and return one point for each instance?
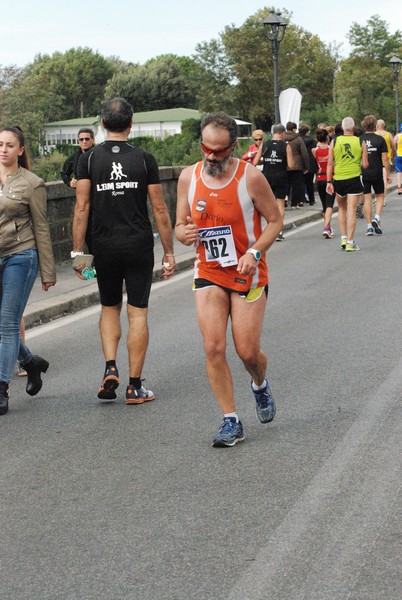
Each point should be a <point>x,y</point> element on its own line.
<point>3,397</point>
<point>34,369</point>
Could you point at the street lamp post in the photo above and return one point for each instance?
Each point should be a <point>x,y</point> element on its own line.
<point>275,28</point>
<point>396,63</point>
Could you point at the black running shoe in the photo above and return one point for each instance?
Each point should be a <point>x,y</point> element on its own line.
<point>109,384</point>
<point>376,224</point>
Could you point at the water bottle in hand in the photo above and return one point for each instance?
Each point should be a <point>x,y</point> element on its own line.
<point>88,272</point>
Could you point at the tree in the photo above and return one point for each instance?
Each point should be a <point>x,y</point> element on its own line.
<point>127,83</point>
<point>364,83</point>
<point>79,76</point>
<point>8,74</point>
<point>167,81</point>
<point>27,103</point>
<point>193,74</point>
<point>373,41</point>
<point>216,92</point>
<point>363,87</point>
<point>241,69</point>
<point>53,88</point>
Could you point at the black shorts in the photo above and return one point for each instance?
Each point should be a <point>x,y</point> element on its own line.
<point>135,270</point>
<point>376,184</point>
<point>201,283</point>
<point>278,189</point>
<point>346,187</point>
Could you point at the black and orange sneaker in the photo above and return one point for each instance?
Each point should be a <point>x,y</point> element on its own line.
<point>138,396</point>
<point>109,384</point>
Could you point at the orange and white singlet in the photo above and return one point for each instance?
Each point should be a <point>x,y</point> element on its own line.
<point>228,224</point>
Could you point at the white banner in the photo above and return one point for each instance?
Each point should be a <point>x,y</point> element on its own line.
<point>290,105</point>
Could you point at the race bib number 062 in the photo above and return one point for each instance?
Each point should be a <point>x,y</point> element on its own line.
<point>219,245</point>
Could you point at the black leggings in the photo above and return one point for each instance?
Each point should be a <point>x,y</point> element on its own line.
<point>327,200</point>
<point>309,183</point>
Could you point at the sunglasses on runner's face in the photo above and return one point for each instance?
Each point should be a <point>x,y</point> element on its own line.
<point>217,153</point>
<point>84,139</point>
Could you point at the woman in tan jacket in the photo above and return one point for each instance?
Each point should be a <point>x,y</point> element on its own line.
<point>25,244</point>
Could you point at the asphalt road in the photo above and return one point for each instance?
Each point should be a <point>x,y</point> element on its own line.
<point>103,501</point>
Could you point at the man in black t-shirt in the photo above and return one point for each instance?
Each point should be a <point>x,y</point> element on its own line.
<point>377,152</point>
<point>115,179</point>
<point>86,140</point>
<point>276,156</point>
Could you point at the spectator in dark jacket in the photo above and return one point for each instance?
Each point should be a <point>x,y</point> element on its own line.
<point>312,170</point>
<point>301,165</point>
<point>68,174</point>
<point>86,141</point>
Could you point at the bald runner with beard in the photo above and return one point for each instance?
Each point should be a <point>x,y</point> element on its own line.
<point>221,202</point>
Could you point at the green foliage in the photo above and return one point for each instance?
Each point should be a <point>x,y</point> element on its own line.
<point>319,114</point>
<point>242,147</point>
<point>373,41</point>
<point>49,167</point>
<point>191,129</point>
<point>363,87</point>
<point>309,67</point>
<point>174,150</point>
<point>78,77</point>
<point>52,88</point>
<point>364,83</point>
<point>217,90</point>
<point>233,73</point>
<point>167,81</point>
<point>66,149</point>
<point>8,74</point>
<point>241,69</point>
<point>24,103</point>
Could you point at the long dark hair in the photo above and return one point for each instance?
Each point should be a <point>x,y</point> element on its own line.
<point>23,160</point>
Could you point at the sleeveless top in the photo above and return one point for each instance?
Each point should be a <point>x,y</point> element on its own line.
<point>388,142</point>
<point>228,225</point>
<point>399,145</point>
<point>347,157</point>
<point>321,156</point>
<point>275,161</point>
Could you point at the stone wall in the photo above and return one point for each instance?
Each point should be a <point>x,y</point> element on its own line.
<point>61,201</point>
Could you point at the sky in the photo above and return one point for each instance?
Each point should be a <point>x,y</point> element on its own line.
<point>137,30</point>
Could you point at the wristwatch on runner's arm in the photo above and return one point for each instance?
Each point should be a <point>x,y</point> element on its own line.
<point>256,253</point>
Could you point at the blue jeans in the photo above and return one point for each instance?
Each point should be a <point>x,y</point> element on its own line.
<point>18,272</point>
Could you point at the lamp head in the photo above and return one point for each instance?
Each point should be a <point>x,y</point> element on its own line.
<point>396,63</point>
<point>275,27</point>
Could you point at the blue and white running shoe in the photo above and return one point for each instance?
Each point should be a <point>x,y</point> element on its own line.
<point>265,407</point>
<point>229,433</point>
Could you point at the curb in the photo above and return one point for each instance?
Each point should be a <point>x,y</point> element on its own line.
<point>313,216</point>
<point>50,312</point>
